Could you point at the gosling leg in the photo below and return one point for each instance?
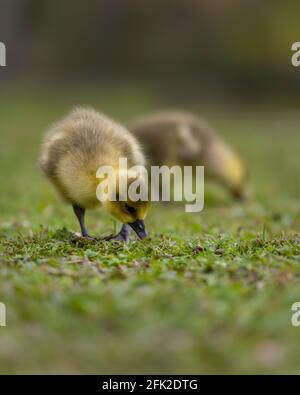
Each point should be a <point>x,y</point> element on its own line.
<point>123,235</point>
<point>79,212</point>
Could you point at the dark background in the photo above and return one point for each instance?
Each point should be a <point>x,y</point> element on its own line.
<point>234,47</point>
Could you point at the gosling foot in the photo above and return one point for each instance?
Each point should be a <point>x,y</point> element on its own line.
<point>117,238</point>
<point>88,237</point>
<point>79,236</point>
<point>122,236</point>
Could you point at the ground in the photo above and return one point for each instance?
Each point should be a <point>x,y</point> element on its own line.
<point>208,293</point>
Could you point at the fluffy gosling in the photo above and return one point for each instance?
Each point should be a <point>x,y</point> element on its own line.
<point>71,153</point>
<point>179,138</point>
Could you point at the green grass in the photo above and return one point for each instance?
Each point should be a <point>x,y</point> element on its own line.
<point>208,293</point>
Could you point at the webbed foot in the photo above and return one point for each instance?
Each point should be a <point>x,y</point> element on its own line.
<point>122,236</point>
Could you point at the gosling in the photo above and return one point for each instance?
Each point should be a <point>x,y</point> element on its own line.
<point>179,138</point>
<point>71,153</point>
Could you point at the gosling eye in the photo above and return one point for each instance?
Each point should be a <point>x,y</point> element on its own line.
<point>130,209</point>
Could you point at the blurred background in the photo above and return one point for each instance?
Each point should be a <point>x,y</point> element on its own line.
<point>233,48</point>
<point>229,62</point>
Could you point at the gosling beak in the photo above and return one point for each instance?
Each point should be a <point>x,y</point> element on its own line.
<point>139,227</point>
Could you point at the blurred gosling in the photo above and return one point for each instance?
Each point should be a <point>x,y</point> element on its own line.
<point>74,149</point>
<point>179,138</point>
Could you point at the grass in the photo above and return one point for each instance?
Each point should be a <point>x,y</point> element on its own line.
<point>208,293</point>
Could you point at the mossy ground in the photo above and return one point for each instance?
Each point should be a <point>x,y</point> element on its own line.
<point>207,293</point>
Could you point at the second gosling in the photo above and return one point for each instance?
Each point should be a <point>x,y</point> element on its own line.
<point>179,138</point>
<point>74,149</point>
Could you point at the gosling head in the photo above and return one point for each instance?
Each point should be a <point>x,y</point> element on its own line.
<point>229,169</point>
<point>236,178</point>
<point>131,213</point>
<point>123,208</point>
